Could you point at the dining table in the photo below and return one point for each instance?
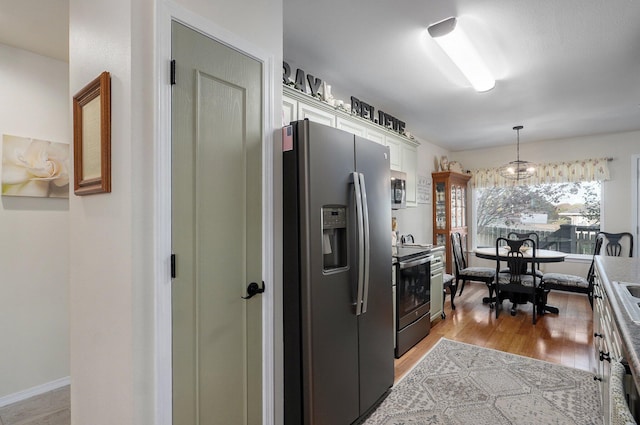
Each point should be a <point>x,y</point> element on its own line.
<point>542,256</point>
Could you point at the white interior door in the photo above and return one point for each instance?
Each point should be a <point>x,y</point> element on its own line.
<point>216,232</point>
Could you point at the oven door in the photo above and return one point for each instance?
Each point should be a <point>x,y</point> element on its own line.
<point>413,290</point>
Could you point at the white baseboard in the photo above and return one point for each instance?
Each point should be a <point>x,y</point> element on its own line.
<point>34,391</point>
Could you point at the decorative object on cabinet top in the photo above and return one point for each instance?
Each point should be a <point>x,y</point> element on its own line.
<point>444,163</point>
<point>455,166</point>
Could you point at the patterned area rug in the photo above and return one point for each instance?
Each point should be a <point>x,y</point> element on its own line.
<point>458,383</point>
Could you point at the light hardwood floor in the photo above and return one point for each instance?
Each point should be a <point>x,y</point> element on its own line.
<point>564,338</point>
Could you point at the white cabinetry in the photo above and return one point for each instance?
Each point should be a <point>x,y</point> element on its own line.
<point>403,152</point>
<point>350,126</point>
<point>409,166</point>
<point>437,270</point>
<point>289,110</point>
<point>395,152</point>
<point>316,114</point>
<point>606,341</point>
<point>374,135</point>
<point>404,157</point>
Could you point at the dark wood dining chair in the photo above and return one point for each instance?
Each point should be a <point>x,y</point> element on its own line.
<point>573,283</point>
<point>614,243</point>
<point>448,282</point>
<point>525,235</point>
<point>520,284</point>
<point>465,273</point>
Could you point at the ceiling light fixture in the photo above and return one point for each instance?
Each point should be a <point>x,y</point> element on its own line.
<point>457,46</point>
<point>517,170</point>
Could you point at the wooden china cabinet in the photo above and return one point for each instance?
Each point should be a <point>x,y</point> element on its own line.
<point>449,210</point>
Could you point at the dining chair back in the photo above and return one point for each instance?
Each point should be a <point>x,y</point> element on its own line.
<point>465,273</point>
<point>573,283</point>
<point>458,252</point>
<point>520,283</point>
<point>614,244</point>
<point>525,235</point>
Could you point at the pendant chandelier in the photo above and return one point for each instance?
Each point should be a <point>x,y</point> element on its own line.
<point>518,170</point>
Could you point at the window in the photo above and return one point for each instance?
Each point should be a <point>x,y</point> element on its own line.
<point>566,216</point>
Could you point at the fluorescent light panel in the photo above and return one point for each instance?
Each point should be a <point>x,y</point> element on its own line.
<point>457,46</point>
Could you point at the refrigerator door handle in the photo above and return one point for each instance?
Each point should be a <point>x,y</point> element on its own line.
<point>360,233</point>
<point>367,250</point>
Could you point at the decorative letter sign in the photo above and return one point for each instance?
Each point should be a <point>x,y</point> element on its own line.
<point>358,107</point>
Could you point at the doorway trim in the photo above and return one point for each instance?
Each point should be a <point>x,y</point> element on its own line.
<point>168,11</point>
<point>635,200</point>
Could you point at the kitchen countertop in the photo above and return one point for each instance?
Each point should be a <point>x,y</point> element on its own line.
<point>621,269</point>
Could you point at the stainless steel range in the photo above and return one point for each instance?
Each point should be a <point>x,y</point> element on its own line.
<point>412,292</point>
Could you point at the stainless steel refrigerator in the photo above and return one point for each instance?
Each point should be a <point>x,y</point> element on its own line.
<point>337,294</point>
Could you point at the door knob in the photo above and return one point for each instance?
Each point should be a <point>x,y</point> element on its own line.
<point>253,289</point>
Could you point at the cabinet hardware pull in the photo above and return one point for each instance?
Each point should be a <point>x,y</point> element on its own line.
<point>598,335</point>
<point>605,356</point>
<point>597,378</point>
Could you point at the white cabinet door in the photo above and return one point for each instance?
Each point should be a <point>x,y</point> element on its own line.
<point>350,126</point>
<point>409,166</point>
<point>375,136</point>
<point>395,147</point>
<point>316,115</point>
<point>436,294</point>
<point>289,110</point>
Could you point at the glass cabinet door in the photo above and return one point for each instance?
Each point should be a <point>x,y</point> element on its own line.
<point>463,205</point>
<point>441,212</point>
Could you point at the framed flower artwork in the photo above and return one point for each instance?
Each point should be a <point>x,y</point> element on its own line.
<point>35,168</point>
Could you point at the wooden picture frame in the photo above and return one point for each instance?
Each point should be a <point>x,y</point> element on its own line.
<point>92,137</point>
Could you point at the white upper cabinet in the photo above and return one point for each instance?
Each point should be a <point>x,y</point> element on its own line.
<point>351,126</point>
<point>316,114</point>
<point>360,128</point>
<point>289,110</point>
<point>395,147</point>
<point>403,152</point>
<point>375,135</point>
<point>410,166</point>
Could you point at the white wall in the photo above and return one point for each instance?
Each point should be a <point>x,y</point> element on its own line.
<point>34,232</point>
<point>102,246</point>
<point>418,220</point>
<point>112,240</point>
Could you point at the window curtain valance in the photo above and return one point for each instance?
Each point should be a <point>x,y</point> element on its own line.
<point>558,172</point>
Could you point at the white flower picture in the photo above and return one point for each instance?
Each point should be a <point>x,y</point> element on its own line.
<point>32,167</point>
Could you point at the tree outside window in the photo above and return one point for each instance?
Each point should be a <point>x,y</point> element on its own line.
<point>566,216</point>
